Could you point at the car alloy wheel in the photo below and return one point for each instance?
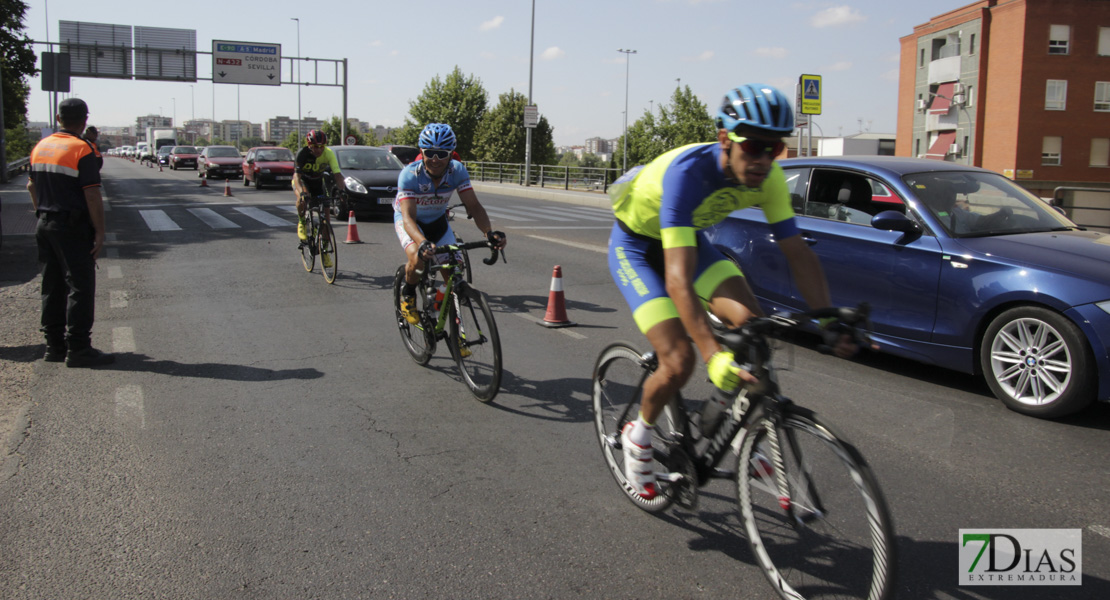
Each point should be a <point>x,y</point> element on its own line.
<point>1037,362</point>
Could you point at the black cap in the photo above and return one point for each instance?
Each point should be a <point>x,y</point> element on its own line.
<point>73,108</point>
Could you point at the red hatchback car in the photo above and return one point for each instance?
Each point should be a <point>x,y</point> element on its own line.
<point>183,157</point>
<point>268,165</point>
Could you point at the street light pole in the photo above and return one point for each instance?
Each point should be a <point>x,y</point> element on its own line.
<point>298,80</point>
<point>528,130</point>
<point>626,61</point>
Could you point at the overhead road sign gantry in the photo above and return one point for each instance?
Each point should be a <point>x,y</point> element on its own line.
<point>246,62</point>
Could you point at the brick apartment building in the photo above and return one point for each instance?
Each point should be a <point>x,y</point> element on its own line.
<point>1021,87</point>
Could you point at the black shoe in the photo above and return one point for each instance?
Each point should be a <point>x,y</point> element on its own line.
<point>89,357</point>
<point>55,354</point>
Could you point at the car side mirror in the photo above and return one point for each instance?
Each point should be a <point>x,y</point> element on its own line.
<point>892,220</point>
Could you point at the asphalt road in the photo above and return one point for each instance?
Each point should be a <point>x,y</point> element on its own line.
<point>265,435</point>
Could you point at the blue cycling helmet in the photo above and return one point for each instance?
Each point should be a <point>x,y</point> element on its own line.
<point>438,136</point>
<point>756,106</point>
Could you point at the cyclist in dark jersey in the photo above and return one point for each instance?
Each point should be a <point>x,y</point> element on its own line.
<point>669,273</point>
<point>312,162</point>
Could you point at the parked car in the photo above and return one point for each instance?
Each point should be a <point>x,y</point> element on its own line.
<point>371,179</point>
<point>968,272</point>
<point>220,161</point>
<point>164,155</point>
<point>183,157</point>
<point>268,165</point>
<point>406,154</point>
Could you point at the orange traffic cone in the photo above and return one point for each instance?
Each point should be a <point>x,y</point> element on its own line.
<point>160,167</point>
<point>352,230</point>
<point>203,181</point>
<point>227,187</point>
<point>556,305</point>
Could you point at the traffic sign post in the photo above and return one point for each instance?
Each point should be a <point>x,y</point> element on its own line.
<point>350,141</point>
<point>811,94</point>
<point>531,115</point>
<point>246,62</point>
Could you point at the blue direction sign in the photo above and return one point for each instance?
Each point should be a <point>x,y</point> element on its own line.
<point>246,62</point>
<point>811,94</point>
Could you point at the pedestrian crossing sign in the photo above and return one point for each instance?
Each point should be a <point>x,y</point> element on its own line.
<point>811,94</point>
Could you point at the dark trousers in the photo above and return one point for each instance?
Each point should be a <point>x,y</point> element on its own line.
<point>68,280</point>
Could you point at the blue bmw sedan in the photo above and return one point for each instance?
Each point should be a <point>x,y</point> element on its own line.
<point>962,268</point>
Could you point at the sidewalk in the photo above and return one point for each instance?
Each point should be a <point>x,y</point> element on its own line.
<point>596,199</point>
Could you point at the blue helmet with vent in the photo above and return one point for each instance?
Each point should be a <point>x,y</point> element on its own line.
<point>758,107</point>
<point>437,136</point>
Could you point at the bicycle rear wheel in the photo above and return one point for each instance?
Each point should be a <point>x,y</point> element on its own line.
<point>475,344</point>
<point>816,520</point>
<point>328,250</point>
<point>308,247</point>
<point>417,340</point>
<point>618,384</point>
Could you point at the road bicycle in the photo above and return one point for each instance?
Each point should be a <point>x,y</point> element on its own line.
<point>462,317</point>
<point>459,240</point>
<point>321,237</point>
<point>813,512</point>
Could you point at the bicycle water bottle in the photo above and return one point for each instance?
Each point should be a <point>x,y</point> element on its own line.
<point>713,411</point>
<point>440,289</point>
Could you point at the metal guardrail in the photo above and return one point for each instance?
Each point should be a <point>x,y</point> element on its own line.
<point>13,167</point>
<point>545,176</point>
<point>1089,207</point>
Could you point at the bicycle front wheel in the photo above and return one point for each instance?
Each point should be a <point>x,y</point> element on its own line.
<point>475,344</point>
<point>618,385</point>
<point>329,256</point>
<point>417,341</point>
<point>308,247</point>
<point>816,520</point>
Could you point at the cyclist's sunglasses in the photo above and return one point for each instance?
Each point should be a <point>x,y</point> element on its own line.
<point>316,146</point>
<point>437,154</point>
<point>757,148</point>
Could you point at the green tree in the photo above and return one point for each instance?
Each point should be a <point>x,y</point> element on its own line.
<point>332,129</point>
<point>17,62</point>
<point>456,100</point>
<point>17,143</point>
<point>502,136</point>
<point>292,141</point>
<point>685,120</point>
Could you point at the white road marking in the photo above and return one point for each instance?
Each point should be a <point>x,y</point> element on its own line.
<point>535,212</point>
<point>584,213</point>
<point>1101,530</point>
<point>129,405</point>
<point>263,217</point>
<point>158,220</point>
<point>123,339</point>
<point>580,245</point>
<point>110,237</point>
<point>114,272</point>
<point>496,212</point>
<point>213,219</point>
<point>563,330</point>
<point>117,299</point>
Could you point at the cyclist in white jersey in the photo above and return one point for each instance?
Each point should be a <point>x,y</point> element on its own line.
<point>420,211</point>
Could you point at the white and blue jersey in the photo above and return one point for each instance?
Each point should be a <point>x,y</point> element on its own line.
<point>415,185</point>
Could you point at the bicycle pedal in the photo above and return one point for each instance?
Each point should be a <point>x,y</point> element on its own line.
<point>683,479</point>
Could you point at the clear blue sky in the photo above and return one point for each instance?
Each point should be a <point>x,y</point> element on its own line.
<point>395,48</point>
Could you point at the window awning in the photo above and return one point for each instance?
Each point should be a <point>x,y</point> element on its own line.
<point>939,149</point>
<point>943,98</point>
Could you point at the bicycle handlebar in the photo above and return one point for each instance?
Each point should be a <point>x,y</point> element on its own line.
<point>855,322</point>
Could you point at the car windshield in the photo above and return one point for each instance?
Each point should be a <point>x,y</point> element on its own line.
<point>274,155</point>
<point>185,150</point>
<point>222,152</point>
<point>978,204</point>
<point>368,159</point>
<point>165,150</point>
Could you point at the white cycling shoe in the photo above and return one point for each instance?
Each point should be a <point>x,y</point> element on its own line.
<point>637,465</point>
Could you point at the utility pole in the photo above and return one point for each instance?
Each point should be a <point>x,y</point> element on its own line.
<point>299,80</point>
<point>626,62</point>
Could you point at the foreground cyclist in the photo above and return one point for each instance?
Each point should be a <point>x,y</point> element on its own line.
<point>666,268</point>
<point>420,211</point>
<point>308,180</point>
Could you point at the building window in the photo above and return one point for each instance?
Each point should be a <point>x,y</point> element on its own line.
<point>1050,150</point>
<point>1102,96</point>
<point>970,98</point>
<point>1056,94</point>
<point>1100,152</point>
<point>917,147</point>
<point>921,61</point>
<point>971,46</point>
<point>1104,41</point>
<point>1058,38</point>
